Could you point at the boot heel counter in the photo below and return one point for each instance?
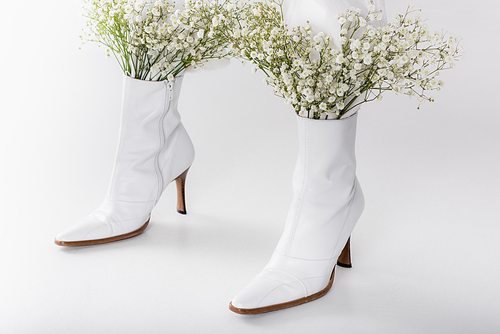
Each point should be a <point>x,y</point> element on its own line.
<point>187,145</point>
<point>180,157</point>
<point>358,206</point>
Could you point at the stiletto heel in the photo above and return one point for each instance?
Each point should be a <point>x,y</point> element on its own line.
<point>344,259</point>
<point>181,193</point>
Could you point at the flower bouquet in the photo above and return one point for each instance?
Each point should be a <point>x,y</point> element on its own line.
<point>324,82</point>
<point>154,40</point>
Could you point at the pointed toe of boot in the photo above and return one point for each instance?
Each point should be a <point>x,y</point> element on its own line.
<point>98,229</point>
<point>270,291</point>
<point>86,230</point>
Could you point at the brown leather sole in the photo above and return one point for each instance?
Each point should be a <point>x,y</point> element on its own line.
<point>102,241</point>
<point>287,304</point>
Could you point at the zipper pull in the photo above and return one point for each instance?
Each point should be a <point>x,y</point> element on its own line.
<point>170,87</point>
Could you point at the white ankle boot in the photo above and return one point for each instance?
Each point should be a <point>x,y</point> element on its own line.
<point>326,205</point>
<point>153,150</point>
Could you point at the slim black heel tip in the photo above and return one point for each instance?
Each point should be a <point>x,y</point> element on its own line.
<point>182,212</point>
<point>343,265</point>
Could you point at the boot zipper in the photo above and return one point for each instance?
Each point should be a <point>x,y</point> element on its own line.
<point>170,93</point>
<point>170,86</point>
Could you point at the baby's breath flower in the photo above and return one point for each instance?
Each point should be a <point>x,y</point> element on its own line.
<point>155,29</point>
<point>318,79</point>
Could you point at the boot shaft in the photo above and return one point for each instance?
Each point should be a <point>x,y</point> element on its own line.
<point>150,127</point>
<point>324,188</point>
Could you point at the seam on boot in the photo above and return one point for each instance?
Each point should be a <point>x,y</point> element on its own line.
<point>279,286</point>
<point>298,210</point>
<point>159,176</point>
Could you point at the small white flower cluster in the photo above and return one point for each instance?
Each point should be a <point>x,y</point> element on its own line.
<point>322,82</point>
<point>153,41</point>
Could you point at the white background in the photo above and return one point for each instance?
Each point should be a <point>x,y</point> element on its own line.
<point>425,251</point>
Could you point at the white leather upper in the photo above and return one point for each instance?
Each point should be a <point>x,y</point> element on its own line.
<point>153,150</point>
<point>327,202</point>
